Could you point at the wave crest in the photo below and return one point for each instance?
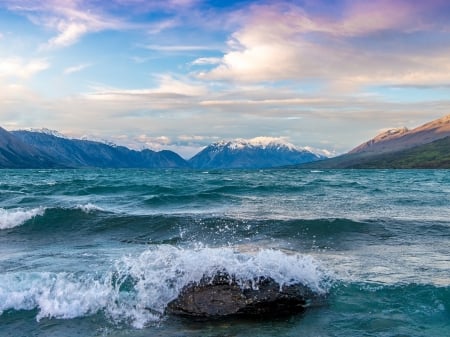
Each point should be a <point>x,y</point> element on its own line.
<point>10,218</point>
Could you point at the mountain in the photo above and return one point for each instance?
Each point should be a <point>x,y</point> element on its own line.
<point>14,153</point>
<point>401,139</point>
<point>427,146</point>
<point>84,153</point>
<point>260,152</point>
<point>432,155</point>
<point>44,148</point>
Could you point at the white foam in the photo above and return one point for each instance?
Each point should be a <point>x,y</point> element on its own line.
<point>137,289</point>
<point>88,208</point>
<point>56,295</point>
<point>10,218</point>
<point>161,273</point>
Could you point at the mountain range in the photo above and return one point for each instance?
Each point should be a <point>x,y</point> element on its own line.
<point>49,149</point>
<point>426,146</point>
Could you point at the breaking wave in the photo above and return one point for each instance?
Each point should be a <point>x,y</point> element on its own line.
<point>137,289</point>
<point>10,218</point>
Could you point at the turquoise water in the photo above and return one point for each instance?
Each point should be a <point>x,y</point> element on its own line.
<point>102,252</point>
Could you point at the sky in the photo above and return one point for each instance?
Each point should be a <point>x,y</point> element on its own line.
<point>181,74</point>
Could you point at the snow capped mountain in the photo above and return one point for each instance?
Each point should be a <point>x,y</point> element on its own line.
<point>259,152</point>
<point>58,134</point>
<point>257,142</point>
<point>46,132</point>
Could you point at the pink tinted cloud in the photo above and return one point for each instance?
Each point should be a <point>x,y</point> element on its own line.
<point>283,41</point>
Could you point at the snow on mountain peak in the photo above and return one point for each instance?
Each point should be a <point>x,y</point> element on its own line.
<point>261,142</point>
<point>98,140</point>
<point>389,133</point>
<point>47,132</point>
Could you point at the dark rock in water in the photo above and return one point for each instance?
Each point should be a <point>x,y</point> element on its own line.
<point>224,295</point>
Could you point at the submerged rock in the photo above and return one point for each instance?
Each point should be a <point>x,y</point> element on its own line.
<point>224,295</point>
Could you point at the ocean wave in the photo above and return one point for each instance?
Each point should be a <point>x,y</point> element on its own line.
<point>89,207</point>
<point>10,218</point>
<point>137,289</point>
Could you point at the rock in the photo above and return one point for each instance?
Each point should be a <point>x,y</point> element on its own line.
<point>224,295</point>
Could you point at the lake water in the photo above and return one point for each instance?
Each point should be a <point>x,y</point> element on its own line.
<point>102,252</point>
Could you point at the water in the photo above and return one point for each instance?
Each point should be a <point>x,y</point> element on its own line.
<point>102,252</point>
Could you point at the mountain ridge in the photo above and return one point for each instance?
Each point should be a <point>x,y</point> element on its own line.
<point>84,153</point>
<point>426,146</point>
<point>44,148</point>
<point>403,138</point>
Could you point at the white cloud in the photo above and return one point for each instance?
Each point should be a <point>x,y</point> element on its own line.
<point>168,89</point>
<point>207,60</point>
<point>179,48</point>
<point>77,68</point>
<point>71,19</point>
<point>21,68</point>
<point>69,34</point>
<point>151,142</point>
<point>283,42</point>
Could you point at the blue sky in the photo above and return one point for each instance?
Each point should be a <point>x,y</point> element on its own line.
<point>181,74</point>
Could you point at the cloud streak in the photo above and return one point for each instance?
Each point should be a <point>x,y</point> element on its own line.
<point>77,68</point>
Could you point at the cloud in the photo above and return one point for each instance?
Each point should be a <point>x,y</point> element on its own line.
<point>71,19</point>
<point>180,48</point>
<point>160,26</point>
<point>20,68</point>
<point>368,43</point>
<point>207,60</point>
<point>77,68</point>
<point>167,89</point>
<point>70,32</point>
<point>171,120</point>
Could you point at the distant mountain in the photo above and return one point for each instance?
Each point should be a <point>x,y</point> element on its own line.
<point>260,152</point>
<point>427,146</point>
<point>84,153</point>
<point>14,153</point>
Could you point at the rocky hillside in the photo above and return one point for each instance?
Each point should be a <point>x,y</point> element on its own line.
<point>427,146</point>
<point>402,139</point>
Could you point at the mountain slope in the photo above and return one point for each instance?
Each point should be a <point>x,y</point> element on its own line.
<point>426,146</point>
<point>401,139</point>
<point>84,153</point>
<point>432,155</point>
<point>260,152</point>
<point>14,153</point>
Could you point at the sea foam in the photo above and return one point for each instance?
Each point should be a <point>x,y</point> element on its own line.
<point>88,208</point>
<point>10,218</point>
<point>136,289</point>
